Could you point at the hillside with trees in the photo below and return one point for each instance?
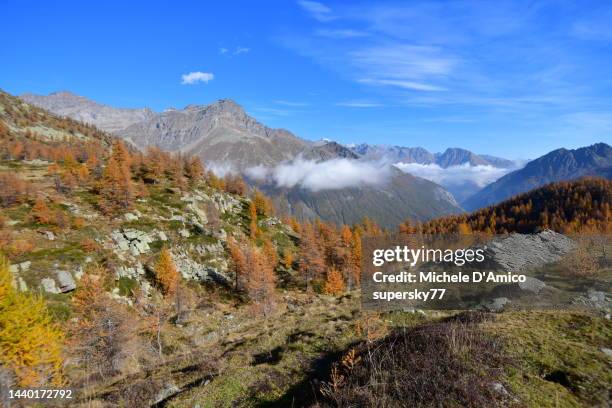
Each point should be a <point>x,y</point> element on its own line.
<point>579,206</point>
<point>141,278</point>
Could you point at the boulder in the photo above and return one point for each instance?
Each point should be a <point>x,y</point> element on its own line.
<point>22,284</point>
<point>66,282</point>
<point>48,285</point>
<point>532,285</point>
<point>497,304</point>
<point>130,217</point>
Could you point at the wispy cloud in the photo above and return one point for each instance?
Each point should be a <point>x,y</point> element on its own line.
<point>232,52</point>
<point>318,11</point>
<point>326,175</point>
<point>341,33</point>
<point>241,50</point>
<point>359,104</point>
<point>455,175</point>
<point>193,78</point>
<point>291,103</point>
<point>416,86</point>
<point>401,61</point>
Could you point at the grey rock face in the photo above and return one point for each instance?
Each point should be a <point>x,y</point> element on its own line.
<point>65,281</point>
<point>85,110</point>
<point>517,252</point>
<point>221,132</point>
<point>135,241</point>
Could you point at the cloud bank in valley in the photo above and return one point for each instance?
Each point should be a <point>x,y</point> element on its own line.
<point>326,175</point>
<point>456,175</point>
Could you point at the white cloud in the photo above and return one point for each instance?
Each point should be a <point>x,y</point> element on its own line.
<point>326,175</point>
<point>195,77</point>
<point>223,50</point>
<point>416,86</point>
<point>455,175</point>
<point>241,50</point>
<point>402,61</point>
<point>341,33</point>
<point>221,169</point>
<point>318,11</point>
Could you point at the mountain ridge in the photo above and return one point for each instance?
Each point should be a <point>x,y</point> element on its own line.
<point>558,165</point>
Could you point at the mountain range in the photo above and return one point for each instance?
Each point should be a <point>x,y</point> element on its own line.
<point>450,157</point>
<point>228,139</point>
<point>558,165</point>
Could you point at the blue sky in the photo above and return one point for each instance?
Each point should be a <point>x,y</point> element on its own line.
<point>515,79</point>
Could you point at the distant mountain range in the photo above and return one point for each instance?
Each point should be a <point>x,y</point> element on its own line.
<point>450,157</point>
<point>558,165</point>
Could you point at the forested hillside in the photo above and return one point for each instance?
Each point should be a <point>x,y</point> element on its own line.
<point>574,206</point>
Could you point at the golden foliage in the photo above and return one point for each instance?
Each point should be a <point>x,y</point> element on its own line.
<point>165,272</point>
<point>334,284</point>
<point>30,342</point>
<point>572,206</point>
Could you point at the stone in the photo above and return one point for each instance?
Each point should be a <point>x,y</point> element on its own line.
<point>596,296</point>
<point>497,304</point>
<point>78,272</point>
<point>50,235</point>
<point>220,234</point>
<point>499,388</point>
<point>22,284</point>
<point>66,282</point>
<point>25,266</point>
<point>48,285</point>
<point>532,285</point>
<point>130,217</point>
<point>184,233</point>
<point>162,235</point>
<point>166,392</point>
<point>606,351</point>
<point>14,268</point>
<point>131,234</point>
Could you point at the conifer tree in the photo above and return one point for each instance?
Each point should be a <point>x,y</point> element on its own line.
<point>41,214</point>
<point>116,189</point>
<point>238,262</point>
<point>253,231</point>
<point>312,265</point>
<point>165,272</point>
<point>260,280</point>
<point>334,285</point>
<point>30,342</point>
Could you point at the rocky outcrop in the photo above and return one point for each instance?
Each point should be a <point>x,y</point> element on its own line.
<point>193,270</point>
<point>135,241</point>
<point>63,282</point>
<point>519,252</point>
